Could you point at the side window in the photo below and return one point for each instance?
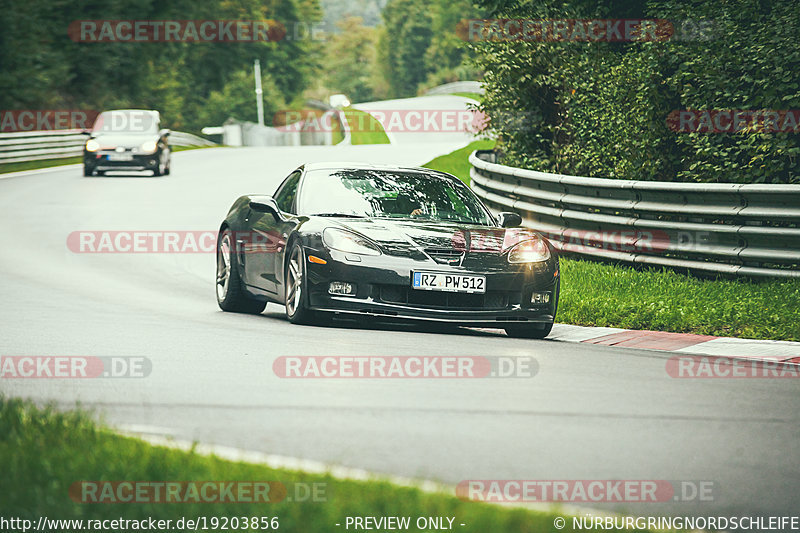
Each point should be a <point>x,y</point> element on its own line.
<point>287,191</point>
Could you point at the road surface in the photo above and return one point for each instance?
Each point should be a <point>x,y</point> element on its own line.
<point>592,412</point>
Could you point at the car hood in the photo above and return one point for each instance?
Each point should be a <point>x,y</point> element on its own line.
<point>125,140</point>
<point>403,237</point>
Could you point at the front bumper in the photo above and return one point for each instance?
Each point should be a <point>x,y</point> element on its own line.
<point>383,289</point>
<point>100,161</point>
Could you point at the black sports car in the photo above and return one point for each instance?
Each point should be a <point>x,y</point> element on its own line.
<point>127,139</point>
<point>387,242</point>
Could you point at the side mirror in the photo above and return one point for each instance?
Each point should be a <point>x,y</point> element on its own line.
<point>266,204</point>
<point>164,133</point>
<point>509,220</point>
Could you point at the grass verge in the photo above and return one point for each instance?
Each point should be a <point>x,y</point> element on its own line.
<point>597,294</point>
<point>43,452</point>
<point>475,96</point>
<point>456,162</point>
<point>337,133</point>
<point>364,128</point>
<point>33,165</point>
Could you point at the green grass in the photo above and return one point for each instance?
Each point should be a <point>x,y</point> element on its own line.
<point>337,135</point>
<point>364,128</point>
<point>456,163</point>
<point>43,452</point>
<point>474,96</point>
<point>184,148</point>
<point>32,165</point>
<point>597,294</point>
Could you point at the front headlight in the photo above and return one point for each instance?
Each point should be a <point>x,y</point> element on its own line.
<point>92,145</point>
<point>530,251</point>
<point>345,241</point>
<point>148,147</point>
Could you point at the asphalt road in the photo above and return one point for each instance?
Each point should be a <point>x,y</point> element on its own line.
<point>592,412</point>
<point>435,119</point>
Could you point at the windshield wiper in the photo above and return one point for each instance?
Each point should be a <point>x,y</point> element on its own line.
<point>342,215</point>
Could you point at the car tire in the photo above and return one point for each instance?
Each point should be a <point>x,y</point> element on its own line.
<point>230,295</point>
<point>87,172</point>
<point>167,168</point>
<point>529,331</point>
<point>295,295</point>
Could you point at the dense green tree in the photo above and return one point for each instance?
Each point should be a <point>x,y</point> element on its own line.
<point>350,60</point>
<point>602,108</point>
<point>42,68</point>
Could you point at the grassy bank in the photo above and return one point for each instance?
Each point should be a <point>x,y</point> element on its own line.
<point>33,165</point>
<point>595,294</point>
<point>456,162</point>
<point>474,96</point>
<point>337,133</point>
<point>364,128</point>
<point>43,452</point>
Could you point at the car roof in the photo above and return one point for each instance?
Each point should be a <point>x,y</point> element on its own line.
<point>153,111</point>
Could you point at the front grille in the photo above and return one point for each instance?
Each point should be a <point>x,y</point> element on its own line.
<point>396,294</point>
<point>445,256</point>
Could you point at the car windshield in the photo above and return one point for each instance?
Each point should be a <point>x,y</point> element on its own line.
<point>128,121</point>
<point>390,194</point>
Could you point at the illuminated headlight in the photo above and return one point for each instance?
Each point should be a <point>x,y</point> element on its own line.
<point>345,241</point>
<point>531,251</point>
<point>92,145</point>
<point>342,288</point>
<point>148,147</point>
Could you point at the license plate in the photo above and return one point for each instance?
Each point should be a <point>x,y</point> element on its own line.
<point>120,157</point>
<point>438,281</point>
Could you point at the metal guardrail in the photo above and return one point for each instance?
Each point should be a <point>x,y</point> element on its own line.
<point>456,87</point>
<point>18,147</point>
<point>713,228</point>
<point>180,138</point>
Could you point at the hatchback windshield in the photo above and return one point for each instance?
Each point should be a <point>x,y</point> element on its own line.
<point>127,121</point>
<point>389,194</point>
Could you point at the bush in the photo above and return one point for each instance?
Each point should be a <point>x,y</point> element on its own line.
<point>601,109</point>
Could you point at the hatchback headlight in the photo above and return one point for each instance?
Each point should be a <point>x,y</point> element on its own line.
<point>530,251</point>
<point>345,241</point>
<point>92,145</point>
<point>148,147</point>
